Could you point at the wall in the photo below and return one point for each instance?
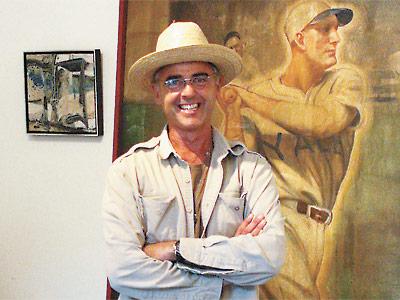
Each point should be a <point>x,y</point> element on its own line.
<point>51,187</point>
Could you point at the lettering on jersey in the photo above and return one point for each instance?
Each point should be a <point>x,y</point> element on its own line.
<point>302,144</point>
<point>276,146</point>
<point>333,145</point>
<point>330,145</point>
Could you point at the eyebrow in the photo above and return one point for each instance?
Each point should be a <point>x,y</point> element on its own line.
<point>200,74</point>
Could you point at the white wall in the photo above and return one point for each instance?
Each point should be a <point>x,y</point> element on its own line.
<point>51,188</point>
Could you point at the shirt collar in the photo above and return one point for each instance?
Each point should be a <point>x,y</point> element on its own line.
<point>221,146</point>
<point>166,148</point>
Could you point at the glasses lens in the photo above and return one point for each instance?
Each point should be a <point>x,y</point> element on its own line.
<point>200,80</point>
<point>174,83</point>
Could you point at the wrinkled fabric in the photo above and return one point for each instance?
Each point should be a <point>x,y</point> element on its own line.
<point>307,169</point>
<point>149,199</point>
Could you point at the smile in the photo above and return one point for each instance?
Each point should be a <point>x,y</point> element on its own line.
<point>331,52</point>
<point>193,106</point>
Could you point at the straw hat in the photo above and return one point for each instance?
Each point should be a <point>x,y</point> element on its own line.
<point>311,12</point>
<point>183,42</point>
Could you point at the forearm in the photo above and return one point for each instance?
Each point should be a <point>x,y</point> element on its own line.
<point>233,126</point>
<point>242,260</point>
<point>230,102</point>
<point>161,251</point>
<point>319,121</point>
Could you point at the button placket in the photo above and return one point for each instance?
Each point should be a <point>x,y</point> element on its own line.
<point>188,195</point>
<point>181,170</point>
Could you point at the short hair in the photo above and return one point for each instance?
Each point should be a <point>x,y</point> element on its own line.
<point>230,35</point>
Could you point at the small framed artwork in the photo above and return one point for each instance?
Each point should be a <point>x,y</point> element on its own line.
<point>63,93</point>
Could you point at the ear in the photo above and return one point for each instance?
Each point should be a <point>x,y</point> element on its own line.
<point>155,88</point>
<point>300,40</point>
<point>221,81</point>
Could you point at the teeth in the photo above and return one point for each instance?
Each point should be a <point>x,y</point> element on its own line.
<point>189,106</point>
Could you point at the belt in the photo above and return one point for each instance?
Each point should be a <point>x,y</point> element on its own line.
<point>319,214</point>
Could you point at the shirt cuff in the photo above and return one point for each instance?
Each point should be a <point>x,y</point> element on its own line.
<point>207,256</point>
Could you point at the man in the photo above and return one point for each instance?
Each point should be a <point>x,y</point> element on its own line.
<point>304,122</point>
<point>250,70</point>
<point>232,41</point>
<point>188,215</point>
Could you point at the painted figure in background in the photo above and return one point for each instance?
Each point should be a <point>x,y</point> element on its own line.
<point>234,41</point>
<point>304,122</point>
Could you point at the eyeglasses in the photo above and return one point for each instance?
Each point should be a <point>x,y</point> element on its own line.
<point>197,81</point>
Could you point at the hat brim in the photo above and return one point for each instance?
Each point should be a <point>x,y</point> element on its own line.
<point>344,15</point>
<point>141,73</point>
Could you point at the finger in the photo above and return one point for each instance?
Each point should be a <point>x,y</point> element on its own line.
<point>244,224</point>
<point>249,228</point>
<point>259,228</point>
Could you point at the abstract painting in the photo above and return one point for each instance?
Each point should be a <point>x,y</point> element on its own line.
<point>63,93</point>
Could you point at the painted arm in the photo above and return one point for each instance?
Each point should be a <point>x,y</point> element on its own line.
<point>318,121</point>
<point>235,110</point>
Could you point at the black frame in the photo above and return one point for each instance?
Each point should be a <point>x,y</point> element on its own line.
<point>43,73</point>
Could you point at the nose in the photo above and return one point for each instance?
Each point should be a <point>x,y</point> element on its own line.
<point>334,36</point>
<point>188,90</point>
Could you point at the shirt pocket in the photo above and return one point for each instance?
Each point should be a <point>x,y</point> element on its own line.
<point>158,217</point>
<point>229,211</point>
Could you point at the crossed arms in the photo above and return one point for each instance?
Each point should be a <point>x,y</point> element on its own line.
<point>141,270</point>
<point>166,250</point>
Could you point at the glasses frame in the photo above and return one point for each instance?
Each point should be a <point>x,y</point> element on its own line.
<point>186,81</point>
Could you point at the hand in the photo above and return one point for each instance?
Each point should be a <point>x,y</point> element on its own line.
<point>252,225</point>
<point>228,99</point>
<point>230,103</point>
<point>161,251</point>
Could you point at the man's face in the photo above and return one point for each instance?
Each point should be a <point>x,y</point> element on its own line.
<point>235,44</point>
<point>190,107</point>
<point>320,42</point>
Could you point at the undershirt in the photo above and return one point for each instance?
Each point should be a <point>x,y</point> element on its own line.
<point>199,176</point>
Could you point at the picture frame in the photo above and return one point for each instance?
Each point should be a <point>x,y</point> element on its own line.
<point>63,93</point>
<point>369,45</point>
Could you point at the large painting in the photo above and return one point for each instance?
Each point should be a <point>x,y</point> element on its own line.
<point>346,244</point>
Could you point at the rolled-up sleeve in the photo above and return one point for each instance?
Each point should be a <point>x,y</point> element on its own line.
<point>244,260</point>
<point>130,271</point>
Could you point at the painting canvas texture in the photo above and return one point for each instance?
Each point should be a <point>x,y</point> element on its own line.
<point>63,93</point>
<point>352,170</point>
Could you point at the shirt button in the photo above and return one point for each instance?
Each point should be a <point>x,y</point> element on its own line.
<point>187,180</point>
<point>189,210</point>
<point>237,208</point>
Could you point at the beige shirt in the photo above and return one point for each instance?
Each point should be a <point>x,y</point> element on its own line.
<point>149,198</point>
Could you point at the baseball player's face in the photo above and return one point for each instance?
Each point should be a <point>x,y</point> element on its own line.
<point>187,92</point>
<point>235,44</point>
<point>321,41</point>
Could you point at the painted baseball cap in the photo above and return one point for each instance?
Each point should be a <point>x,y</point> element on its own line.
<point>311,12</point>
